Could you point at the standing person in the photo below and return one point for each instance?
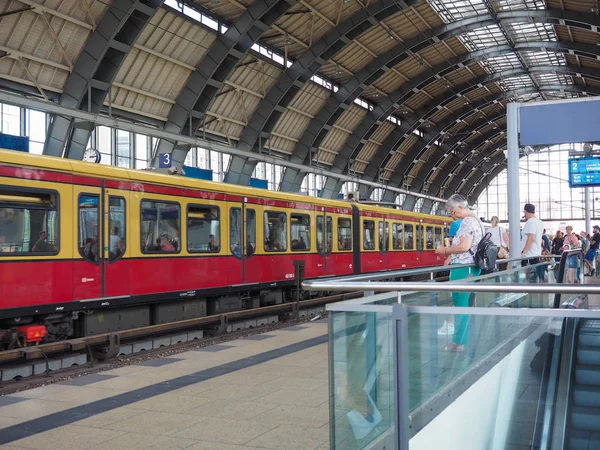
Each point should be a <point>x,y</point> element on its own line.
<point>531,240</point>
<point>590,255</point>
<point>499,237</point>
<point>42,245</point>
<point>557,243</point>
<point>462,251</point>
<point>495,231</point>
<point>545,241</point>
<point>448,326</point>
<point>115,244</point>
<point>571,242</point>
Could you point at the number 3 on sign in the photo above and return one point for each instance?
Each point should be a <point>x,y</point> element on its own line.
<point>164,161</point>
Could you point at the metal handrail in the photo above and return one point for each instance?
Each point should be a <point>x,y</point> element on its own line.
<point>451,287</point>
<point>400,273</point>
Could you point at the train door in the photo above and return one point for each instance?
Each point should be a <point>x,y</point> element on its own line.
<point>384,243</point>
<point>235,269</point>
<point>88,267</point>
<point>117,267</point>
<point>419,241</point>
<point>252,267</point>
<point>325,241</point>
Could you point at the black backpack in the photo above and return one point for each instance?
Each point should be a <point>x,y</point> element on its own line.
<point>486,254</point>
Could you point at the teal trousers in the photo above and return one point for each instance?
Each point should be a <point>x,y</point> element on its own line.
<point>461,322</point>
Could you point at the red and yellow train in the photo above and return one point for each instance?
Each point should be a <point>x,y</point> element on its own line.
<point>86,248</point>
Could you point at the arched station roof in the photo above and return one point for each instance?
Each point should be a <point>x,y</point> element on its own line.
<point>410,94</point>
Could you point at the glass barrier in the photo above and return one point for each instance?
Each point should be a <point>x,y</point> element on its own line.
<point>497,386</point>
<point>491,384</point>
<point>520,275</point>
<point>361,377</point>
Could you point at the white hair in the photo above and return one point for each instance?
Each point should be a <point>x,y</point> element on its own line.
<point>457,200</point>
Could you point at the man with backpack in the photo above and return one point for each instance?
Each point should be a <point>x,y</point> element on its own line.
<point>531,239</point>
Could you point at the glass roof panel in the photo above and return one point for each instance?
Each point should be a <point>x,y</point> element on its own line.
<point>500,63</point>
<point>484,37</point>
<point>453,10</point>
<point>553,78</point>
<point>512,83</point>
<point>524,32</point>
<point>513,5</point>
<point>544,58</point>
<point>531,97</point>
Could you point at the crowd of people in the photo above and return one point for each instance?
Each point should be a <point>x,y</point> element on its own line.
<point>467,230</point>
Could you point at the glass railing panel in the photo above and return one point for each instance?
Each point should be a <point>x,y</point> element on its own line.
<point>362,378</point>
<point>521,275</point>
<point>488,393</point>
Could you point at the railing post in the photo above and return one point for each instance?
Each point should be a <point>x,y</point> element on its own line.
<point>299,275</point>
<point>401,408</point>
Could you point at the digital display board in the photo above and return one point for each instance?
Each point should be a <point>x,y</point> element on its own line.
<point>584,172</point>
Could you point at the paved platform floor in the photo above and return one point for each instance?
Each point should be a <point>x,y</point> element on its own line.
<point>267,391</point>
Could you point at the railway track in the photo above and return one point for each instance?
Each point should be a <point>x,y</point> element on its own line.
<point>82,354</point>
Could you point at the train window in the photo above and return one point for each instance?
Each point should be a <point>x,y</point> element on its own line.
<point>344,234</point>
<point>429,238</point>
<point>369,235</point>
<point>419,238</point>
<point>384,234</point>
<point>397,236</point>
<point>300,231</point>
<point>89,236</point>
<point>408,237</point>
<point>28,222</point>
<point>320,233</point>
<point>275,231</point>
<point>203,229</point>
<point>116,227</point>
<point>250,232</point>
<point>324,234</point>
<point>437,237</point>
<point>235,231</point>
<point>160,226</point>
<point>329,233</point>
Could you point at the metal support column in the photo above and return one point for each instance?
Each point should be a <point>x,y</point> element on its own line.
<point>514,213</point>
<point>588,208</point>
<point>402,431</point>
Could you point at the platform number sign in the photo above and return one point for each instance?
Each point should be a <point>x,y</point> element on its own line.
<point>164,161</point>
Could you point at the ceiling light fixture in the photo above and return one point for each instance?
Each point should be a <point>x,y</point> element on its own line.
<point>215,2</point>
<point>346,2</point>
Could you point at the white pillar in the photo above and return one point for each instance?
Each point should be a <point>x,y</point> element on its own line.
<point>514,207</point>
<point>587,206</point>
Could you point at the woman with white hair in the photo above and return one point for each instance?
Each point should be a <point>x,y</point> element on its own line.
<point>462,251</point>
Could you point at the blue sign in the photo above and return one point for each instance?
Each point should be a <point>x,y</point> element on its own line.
<point>549,123</point>
<point>18,143</point>
<point>200,174</point>
<point>584,172</point>
<point>258,183</point>
<point>165,160</point>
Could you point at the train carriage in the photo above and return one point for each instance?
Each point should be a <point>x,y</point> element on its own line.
<point>86,248</point>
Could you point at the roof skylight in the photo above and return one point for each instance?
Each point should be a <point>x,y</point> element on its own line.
<point>484,37</point>
<point>544,58</point>
<point>525,32</point>
<point>453,10</point>
<point>512,83</point>
<point>500,63</point>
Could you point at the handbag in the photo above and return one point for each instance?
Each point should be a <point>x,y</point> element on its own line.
<point>503,253</point>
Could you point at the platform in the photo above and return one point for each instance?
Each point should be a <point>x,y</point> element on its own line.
<point>264,391</point>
